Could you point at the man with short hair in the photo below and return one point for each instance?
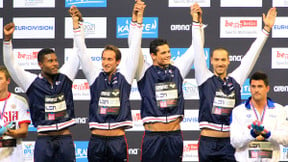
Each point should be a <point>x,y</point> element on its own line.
<point>14,121</point>
<point>162,104</point>
<point>259,126</point>
<point>110,87</point>
<point>219,91</point>
<point>50,98</point>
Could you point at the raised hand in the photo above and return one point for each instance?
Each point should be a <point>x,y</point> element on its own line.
<point>138,11</point>
<point>76,16</point>
<point>269,19</point>
<point>196,13</point>
<point>8,31</point>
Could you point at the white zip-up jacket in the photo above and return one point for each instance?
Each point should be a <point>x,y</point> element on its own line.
<point>274,119</point>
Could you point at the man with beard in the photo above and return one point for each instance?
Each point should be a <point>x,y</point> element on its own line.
<point>50,98</point>
<point>220,92</point>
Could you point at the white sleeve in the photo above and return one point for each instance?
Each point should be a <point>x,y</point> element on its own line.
<point>202,73</point>
<point>70,68</point>
<point>130,65</point>
<point>239,133</point>
<point>185,62</point>
<point>24,113</point>
<point>21,77</point>
<point>247,63</point>
<point>142,63</point>
<point>279,135</point>
<point>90,71</point>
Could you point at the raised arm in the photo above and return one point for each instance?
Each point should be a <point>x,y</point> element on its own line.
<point>202,73</point>
<point>90,71</point>
<point>130,65</point>
<point>185,62</point>
<point>21,77</point>
<point>241,73</point>
<point>70,68</point>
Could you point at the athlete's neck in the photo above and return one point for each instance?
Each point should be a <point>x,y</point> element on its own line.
<point>259,105</point>
<point>4,94</point>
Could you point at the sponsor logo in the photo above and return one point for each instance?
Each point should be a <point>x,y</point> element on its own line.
<point>81,89</point>
<point>280,28</point>
<point>81,150</point>
<point>280,88</point>
<point>283,153</point>
<point>190,89</point>
<point>190,120</point>
<point>1,26</point>
<point>188,3</point>
<point>28,150</point>
<point>240,27</point>
<point>235,58</point>
<point>134,151</point>
<point>245,90</point>
<point>27,58</point>
<point>34,28</point>
<point>94,27</point>
<point>137,121</point>
<point>279,58</point>
<point>177,52</point>
<point>31,128</point>
<point>93,53</point>
<point>242,3</point>
<point>280,3</point>
<point>86,3</point>
<point>134,94</point>
<point>81,120</point>
<point>180,27</point>
<point>33,3</point>
<point>18,90</point>
<point>150,27</point>
<point>190,150</point>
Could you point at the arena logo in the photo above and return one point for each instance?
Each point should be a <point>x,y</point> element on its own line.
<point>178,52</point>
<point>150,27</point>
<point>245,90</point>
<point>33,3</point>
<point>81,120</point>
<point>280,28</point>
<point>81,151</point>
<point>180,27</point>
<point>18,90</point>
<point>240,27</point>
<point>280,88</point>
<point>235,58</point>
<point>134,151</point>
<point>34,28</point>
<point>86,3</point>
